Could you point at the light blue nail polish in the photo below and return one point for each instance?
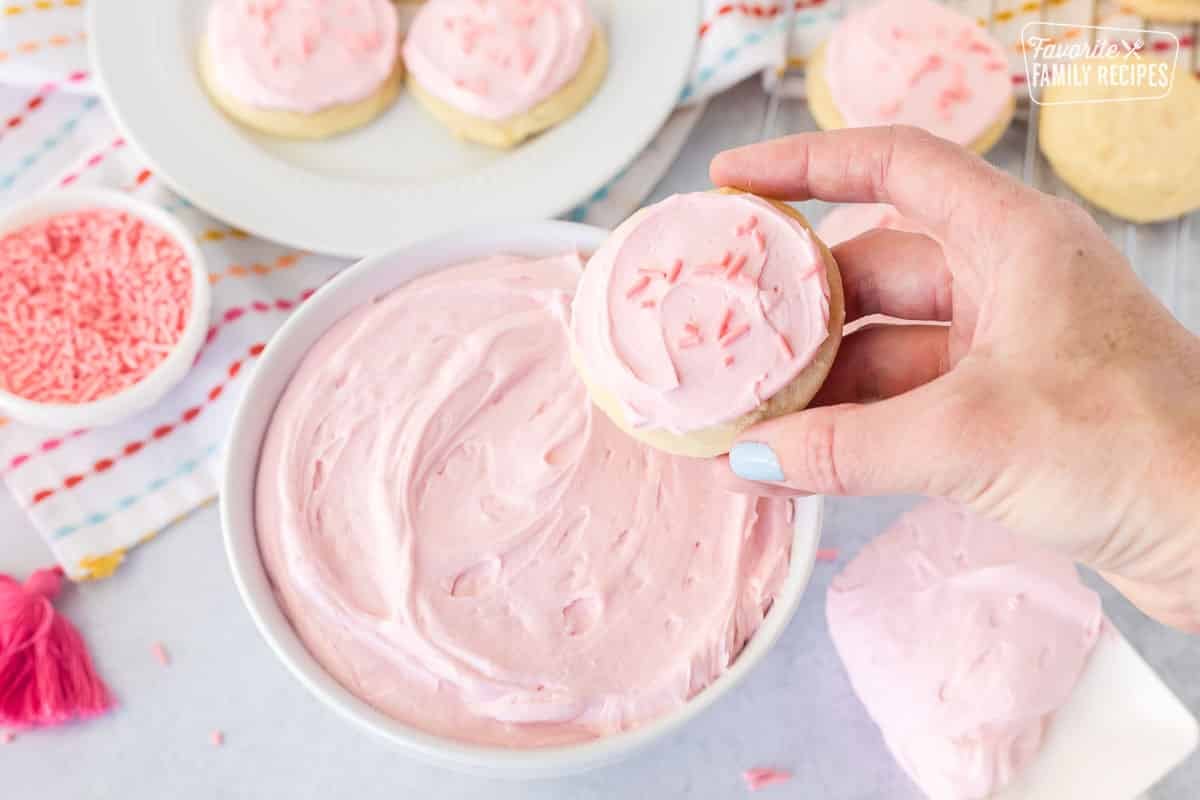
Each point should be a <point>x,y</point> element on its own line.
<point>755,461</point>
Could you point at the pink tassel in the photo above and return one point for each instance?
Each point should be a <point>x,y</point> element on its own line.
<point>46,674</point>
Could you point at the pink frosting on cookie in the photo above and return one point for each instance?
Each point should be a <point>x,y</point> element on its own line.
<point>466,544</point>
<point>917,62</point>
<point>850,221</point>
<point>496,58</point>
<point>962,640</point>
<point>302,55</point>
<point>699,308</point>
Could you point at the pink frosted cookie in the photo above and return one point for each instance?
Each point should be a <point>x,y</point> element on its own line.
<point>913,62</point>
<point>704,314</point>
<point>500,71</point>
<point>302,68</point>
<point>961,640</point>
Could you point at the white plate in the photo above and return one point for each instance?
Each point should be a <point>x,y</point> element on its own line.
<point>1120,732</point>
<point>399,179</point>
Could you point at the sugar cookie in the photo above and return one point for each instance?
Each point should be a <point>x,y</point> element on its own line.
<point>499,71</point>
<point>1139,160</point>
<point>913,62</point>
<point>302,69</point>
<point>704,314</point>
<point>1168,10</point>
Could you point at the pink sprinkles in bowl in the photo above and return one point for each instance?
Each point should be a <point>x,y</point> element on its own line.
<point>91,302</point>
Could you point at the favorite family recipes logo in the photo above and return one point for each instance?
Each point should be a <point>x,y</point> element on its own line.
<point>1099,64</point>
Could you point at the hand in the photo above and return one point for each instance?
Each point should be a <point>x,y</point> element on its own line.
<point>1061,400</point>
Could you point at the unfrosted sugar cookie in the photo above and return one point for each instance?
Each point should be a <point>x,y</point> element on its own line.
<point>499,71</point>
<point>1168,10</point>
<point>913,62</point>
<point>1139,160</point>
<point>704,314</point>
<point>303,69</point>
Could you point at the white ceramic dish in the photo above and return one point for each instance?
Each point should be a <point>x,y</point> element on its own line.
<point>399,179</point>
<point>146,392</point>
<point>358,285</point>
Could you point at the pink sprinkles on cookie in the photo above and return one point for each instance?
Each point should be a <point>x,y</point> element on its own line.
<point>91,302</point>
<point>725,322</point>
<point>637,287</point>
<point>737,267</point>
<point>750,224</point>
<point>734,335</point>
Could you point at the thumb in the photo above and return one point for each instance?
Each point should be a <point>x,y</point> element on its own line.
<point>929,440</point>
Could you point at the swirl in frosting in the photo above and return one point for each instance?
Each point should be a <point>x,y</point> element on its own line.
<point>494,59</point>
<point>464,544</point>
<point>302,55</point>
<point>917,62</point>
<point>699,308</point>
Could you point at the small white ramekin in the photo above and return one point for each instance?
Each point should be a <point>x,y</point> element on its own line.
<point>362,283</point>
<point>147,391</point>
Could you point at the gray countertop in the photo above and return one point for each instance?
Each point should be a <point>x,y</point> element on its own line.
<point>794,712</point>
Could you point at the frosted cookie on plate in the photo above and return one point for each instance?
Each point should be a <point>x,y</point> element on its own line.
<point>704,314</point>
<point>912,62</point>
<point>499,71</point>
<point>1138,159</point>
<point>302,69</point>
<point>1168,10</point>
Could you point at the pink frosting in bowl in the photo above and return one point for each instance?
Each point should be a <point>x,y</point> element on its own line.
<point>302,55</point>
<point>699,308</point>
<point>534,539</point>
<point>497,58</point>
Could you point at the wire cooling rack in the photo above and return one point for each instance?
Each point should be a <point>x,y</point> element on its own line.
<point>1165,255</point>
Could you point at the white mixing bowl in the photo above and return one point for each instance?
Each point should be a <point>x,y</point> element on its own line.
<point>360,284</point>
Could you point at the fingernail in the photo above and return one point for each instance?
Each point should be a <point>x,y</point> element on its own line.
<point>755,461</point>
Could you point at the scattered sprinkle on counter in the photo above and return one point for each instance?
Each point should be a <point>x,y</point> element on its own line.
<point>762,777</point>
